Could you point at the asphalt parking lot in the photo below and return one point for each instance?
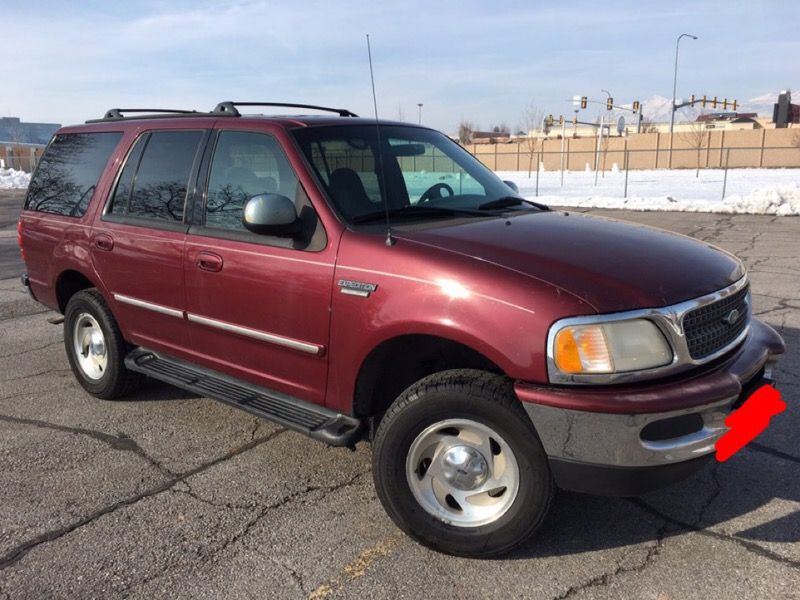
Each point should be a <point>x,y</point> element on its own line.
<point>167,495</point>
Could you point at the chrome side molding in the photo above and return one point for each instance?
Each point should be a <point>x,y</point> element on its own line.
<point>164,310</point>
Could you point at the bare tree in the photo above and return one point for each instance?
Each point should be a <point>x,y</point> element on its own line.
<point>697,136</point>
<point>531,120</point>
<point>465,131</point>
<point>501,128</point>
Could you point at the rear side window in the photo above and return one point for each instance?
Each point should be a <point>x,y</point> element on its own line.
<point>68,172</point>
<point>155,179</point>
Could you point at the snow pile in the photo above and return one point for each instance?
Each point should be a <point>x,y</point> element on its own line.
<point>748,191</point>
<point>11,179</point>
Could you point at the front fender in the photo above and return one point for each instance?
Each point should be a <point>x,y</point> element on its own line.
<point>500,314</point>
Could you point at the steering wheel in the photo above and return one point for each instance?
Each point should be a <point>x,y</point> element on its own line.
<point>436,189</point>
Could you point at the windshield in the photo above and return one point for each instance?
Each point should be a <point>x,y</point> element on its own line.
<point>420,169</point>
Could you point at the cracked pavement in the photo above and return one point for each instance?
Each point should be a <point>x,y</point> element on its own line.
<point>168,495</point>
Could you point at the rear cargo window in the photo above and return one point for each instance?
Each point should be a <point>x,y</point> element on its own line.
<point>161,181</point>
<point>67,175</point>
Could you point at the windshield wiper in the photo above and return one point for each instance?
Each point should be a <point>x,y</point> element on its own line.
<point>508,201</point>
<point>413,210</point>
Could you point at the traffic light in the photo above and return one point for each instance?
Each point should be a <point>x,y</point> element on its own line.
<point>714,102</point>
<point>703,101</point>
<point>609,103</point>
<point>691,100</point>
<point>584,101</point>
<point>725,104</point>
<point>636,106</point>
<point>561,120</point>
<point>575,120</point>
<point>735,104</point>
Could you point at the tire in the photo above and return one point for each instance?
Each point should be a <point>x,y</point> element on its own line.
<point>432,432</point>
<point>95,347</point>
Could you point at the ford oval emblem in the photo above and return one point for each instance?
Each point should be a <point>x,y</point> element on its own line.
<point>731,317</point>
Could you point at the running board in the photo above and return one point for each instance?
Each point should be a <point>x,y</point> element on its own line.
<point>335,429</point>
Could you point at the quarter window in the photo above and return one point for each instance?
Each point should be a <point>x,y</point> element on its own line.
<point>245,164</point>
<point>67,174</point>
<point>161,181</point>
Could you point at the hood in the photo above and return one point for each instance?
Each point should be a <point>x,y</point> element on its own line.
<point>612,265</point>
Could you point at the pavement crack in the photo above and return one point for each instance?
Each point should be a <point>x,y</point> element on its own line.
<point>714,495</point>
<point>755,446</point>
<point>28,351</point>
<point>18,552</point>
<point>749,546</point>
<point>117,442</point>
<point>33,375</point>
<point>289,498</point>
<point>621,569</point>
<point>22,316</point>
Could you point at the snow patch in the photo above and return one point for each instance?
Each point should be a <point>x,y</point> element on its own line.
<point>748,191</point>
<point>11,179</point>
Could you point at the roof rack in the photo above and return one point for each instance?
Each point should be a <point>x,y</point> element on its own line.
<point>229,108</point>
<point>223,109</point>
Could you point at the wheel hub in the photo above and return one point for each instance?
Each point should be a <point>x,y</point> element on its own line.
<point>89,346</point>
<point>464,467</point>
<point>462,472</point>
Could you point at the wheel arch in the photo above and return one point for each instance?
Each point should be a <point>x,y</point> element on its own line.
<point>68,283</point>
<point>398,362</point>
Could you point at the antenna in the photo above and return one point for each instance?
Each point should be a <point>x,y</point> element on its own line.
<point>390,241</point>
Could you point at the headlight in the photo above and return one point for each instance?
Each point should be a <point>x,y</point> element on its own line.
<point>614,347</point>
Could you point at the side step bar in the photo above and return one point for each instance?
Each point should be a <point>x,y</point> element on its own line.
<point>335,429</point>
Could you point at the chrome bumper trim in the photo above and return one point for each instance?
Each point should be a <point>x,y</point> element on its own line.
<point>614,439</point>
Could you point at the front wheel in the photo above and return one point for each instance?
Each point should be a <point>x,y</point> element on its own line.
<point>458,465</point>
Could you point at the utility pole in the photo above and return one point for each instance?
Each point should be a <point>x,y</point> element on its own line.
<point>419,104</point>
<point>563,140</point>
<point>597,149</point>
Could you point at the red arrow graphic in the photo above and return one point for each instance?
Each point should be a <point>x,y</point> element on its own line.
<point>747,423</point>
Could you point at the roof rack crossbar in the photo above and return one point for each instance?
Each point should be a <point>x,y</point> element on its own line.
<point>229,108</point>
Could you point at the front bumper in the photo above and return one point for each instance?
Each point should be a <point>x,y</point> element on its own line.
<point>623,440</point>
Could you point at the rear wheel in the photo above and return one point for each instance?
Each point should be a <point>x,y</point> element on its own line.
<point>95,347</point>
<point>459,467</point>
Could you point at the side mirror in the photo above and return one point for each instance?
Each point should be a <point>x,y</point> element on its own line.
<point>271,214</point>
<point>513,186</point>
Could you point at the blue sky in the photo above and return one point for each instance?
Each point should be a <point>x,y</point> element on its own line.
<point>483,61</point>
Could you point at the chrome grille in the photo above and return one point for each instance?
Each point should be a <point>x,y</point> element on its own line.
<point>710,328</point>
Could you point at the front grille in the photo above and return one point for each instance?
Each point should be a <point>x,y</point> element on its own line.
<point>709,328</point>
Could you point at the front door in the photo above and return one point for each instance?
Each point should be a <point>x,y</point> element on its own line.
<point>258,306</point>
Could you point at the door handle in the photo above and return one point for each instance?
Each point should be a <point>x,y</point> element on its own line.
<point>208,261</point>
<point>104,242</point>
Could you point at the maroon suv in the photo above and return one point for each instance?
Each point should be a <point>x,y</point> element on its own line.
<point>352,279</point>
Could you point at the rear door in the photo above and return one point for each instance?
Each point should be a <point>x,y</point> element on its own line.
<point>138,242</point>
<point>257,305</point>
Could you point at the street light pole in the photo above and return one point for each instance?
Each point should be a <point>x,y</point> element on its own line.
<point>420,112</point>
<point>675,79</point>
<point>674,93</point>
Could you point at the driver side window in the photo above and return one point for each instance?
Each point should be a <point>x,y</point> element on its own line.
<point>424,166</point>
<point>245,164</point>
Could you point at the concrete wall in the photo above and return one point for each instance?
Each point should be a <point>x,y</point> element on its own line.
<point>703,148</point>
<point>22,157</point>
